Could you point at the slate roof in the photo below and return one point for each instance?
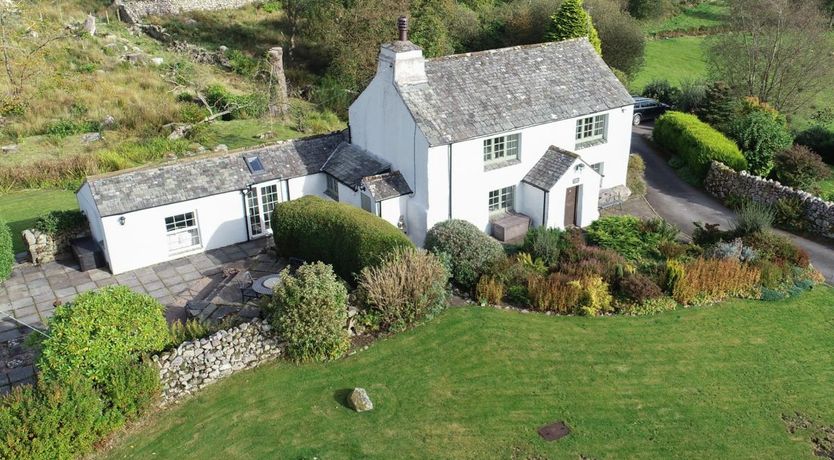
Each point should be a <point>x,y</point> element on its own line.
<point>349,164</point>
<point>550,168</point>
<point>148,187</point>
<point>385,186</point>
<point>490,92</point>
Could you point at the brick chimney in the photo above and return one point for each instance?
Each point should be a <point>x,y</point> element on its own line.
<point>402,61</point>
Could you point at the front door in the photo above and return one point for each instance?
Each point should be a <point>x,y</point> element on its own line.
<point>260,204</point>
<point>571,196</point>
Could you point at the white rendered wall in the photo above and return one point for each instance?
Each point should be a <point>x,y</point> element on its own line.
<point>142,241</point>
<point>531,203</point>
<point>471,184</point>
<point>392,209</point>
<point>307,185</point>
<point>88,206</point>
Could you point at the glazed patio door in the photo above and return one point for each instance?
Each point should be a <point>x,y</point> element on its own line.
<point>260,202</point>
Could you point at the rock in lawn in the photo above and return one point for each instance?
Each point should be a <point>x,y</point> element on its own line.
<point>359,400</point>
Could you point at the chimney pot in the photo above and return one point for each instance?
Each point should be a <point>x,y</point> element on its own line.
<point>402,27</point>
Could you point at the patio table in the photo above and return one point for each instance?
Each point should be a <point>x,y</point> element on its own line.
<point>265,284</point>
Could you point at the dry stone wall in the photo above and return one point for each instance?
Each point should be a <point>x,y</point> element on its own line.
<point>44,247</point>
<point>132,11</point>
<point>723,183</point>
<point>196,364</point>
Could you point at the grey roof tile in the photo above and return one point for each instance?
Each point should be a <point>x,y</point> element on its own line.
<point>183,180</point>
<point>550,168</point>
<point>387,185</point>
<point>489,92</point>
<point>349,164</point>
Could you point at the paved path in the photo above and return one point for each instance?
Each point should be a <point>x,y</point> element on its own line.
<point>682,204</point>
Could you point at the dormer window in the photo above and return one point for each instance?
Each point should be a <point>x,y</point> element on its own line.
<point>591,130</point>
<point>501,149</point>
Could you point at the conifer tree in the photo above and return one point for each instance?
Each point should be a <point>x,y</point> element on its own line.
<point>572,21</point>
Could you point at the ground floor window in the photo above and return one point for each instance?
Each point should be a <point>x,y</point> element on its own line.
<point>368,204</point>
<point>183,232</point>
<point>502,200</point>
<point>332,189</point>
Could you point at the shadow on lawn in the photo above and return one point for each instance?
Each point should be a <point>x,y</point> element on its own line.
<point>341,396</point>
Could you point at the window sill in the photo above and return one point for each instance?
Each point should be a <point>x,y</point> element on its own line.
<point>588,144</point>
<point>501,164</point>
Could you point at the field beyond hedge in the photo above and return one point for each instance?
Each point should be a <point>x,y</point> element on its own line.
<point>709,382</point>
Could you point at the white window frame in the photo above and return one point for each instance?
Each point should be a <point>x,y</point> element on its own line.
<point>502,148</point>
<point>501,200</point>
<point>332,187</point>
<point>591,129</point>
<point>260,202</point>
<point>179,227</point>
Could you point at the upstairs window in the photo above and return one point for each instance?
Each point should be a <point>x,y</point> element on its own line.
<point>590,129</point>
<point>501,148</point>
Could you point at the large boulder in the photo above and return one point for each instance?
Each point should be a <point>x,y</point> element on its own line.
<point>359,400</point>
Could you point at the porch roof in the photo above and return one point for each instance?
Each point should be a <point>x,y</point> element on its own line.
<point>550,168</point>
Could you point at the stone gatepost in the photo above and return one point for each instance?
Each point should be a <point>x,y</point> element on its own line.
<point>279,101</point>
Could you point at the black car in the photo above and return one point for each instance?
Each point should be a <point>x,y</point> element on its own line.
<point>646,109</point>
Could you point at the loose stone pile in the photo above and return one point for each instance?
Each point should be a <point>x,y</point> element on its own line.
<point>723,182</point>
<point>194,365</point>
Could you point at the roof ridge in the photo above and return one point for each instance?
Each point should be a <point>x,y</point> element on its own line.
<point>506,49</point>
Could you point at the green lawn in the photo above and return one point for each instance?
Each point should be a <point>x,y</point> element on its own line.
<point>20,209</point>
<point>673,59</point>
<point>476,383</point>
<point>711,13</point>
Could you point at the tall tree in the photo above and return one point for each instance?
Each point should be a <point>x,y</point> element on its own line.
<point>622,36</point>
<point>778,51</point>
<point>428,26</point>
<point>572,21</point>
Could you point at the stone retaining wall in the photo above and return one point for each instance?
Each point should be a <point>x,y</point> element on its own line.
<point>132,11</point>
<point>194,365</point>
<point>723,182</point>
<point>44,247</point>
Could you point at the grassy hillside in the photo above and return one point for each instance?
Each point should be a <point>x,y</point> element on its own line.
<point>477,383</point>
<point>673,59</point>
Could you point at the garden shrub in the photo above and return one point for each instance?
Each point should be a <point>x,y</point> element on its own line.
<point>635,179</point>
<point>595,297</point>
<point>128,390</point>
<point>789,211</point>
<point>706,234</point>
<point>760,135</point>
<point>633,238</point>
<point>347,237</point>
<point>100,330</point>
<point>717,107</point>
<point>242,106</point>
<point>662,91</point>
<point>697,143</point>
<point>582,261</point>
<point>53,420</point>
<point>714,280</point>
<point>647,9</point>
<point>639,288</point>
<point>406,287</point>
<point>675,271</point>
<point>473,253</point>
<point>800,167</point>
<point>733,249</point>
<point>6,250</point>
<point>753,217</point>
<point>489,290</point>
<point>309,311</point>
<point>545,244</point>
<point>775,247</point>
<point>819,139</point>
<point>193,329</point>
<point>557,293</point>
<point>56,222</point>
<point>649,307</point>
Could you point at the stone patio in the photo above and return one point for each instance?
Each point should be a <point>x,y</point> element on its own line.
<point>202,285</point>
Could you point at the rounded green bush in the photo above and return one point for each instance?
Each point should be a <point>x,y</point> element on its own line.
<point>309,311</point>
<point>347,237</point>
<point>6,251</point>
<point>101,330</point>
<point>472,252</point>
<point>697,143</point>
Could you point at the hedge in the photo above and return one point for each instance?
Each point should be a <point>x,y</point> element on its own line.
<point>697,143</point>
<point>6,251</point>
<point>347,237</point>
<point>473,253</point>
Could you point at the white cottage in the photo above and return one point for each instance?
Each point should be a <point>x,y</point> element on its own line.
<point>502,138</point>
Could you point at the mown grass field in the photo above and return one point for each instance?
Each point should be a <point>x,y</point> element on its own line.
<point>21,208</point>
<point>710,382</point>
<point>673,59</point>
<point>711,13</point>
